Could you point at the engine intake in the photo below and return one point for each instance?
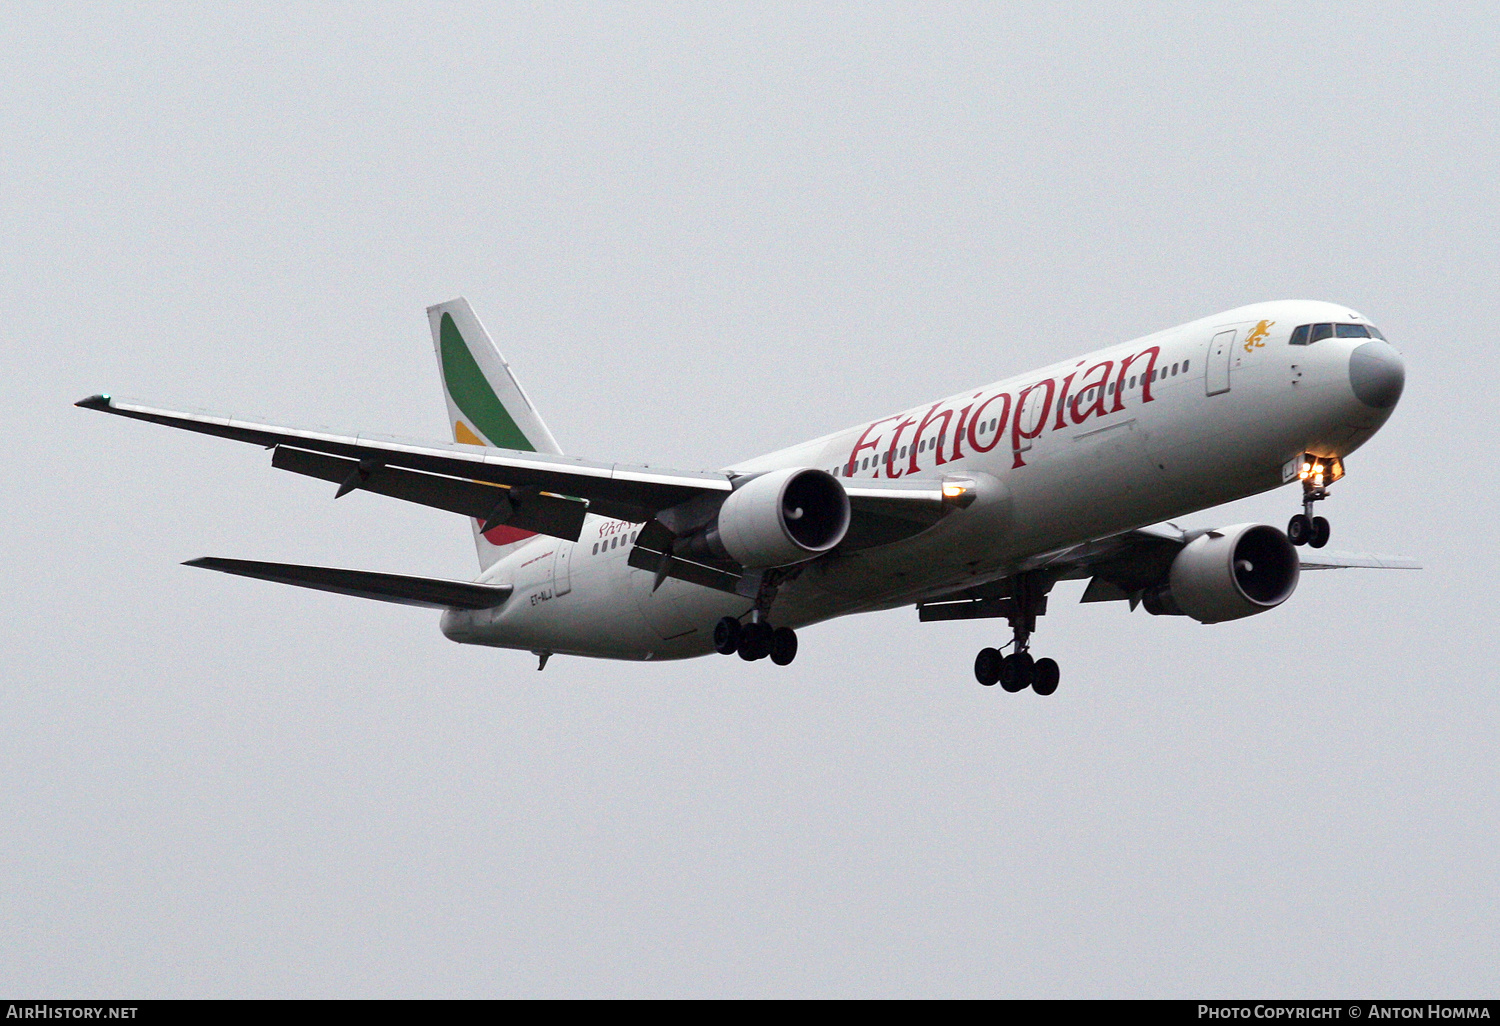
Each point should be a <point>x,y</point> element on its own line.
<point>775,519</point>
<point>1227,574</point>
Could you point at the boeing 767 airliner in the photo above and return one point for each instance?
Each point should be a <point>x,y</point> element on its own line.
<point>971,506</point>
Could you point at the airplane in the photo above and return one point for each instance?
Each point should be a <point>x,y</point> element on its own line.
<point>973,506</point>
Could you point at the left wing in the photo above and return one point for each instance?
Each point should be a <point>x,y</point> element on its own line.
<point>1118,568</point>
<point>1321,560</point>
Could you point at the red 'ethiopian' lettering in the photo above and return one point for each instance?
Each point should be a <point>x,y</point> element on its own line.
<point>853,463</point>
<point>1099,385</point>
<point>930,417</point>
<point>979,419</point>
<point>890,456</point>
<point>1153,352</point>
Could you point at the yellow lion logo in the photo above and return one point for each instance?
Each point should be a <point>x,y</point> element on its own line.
<point>1257,338</point>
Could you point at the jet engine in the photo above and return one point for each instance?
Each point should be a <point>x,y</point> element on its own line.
<point>774,519</point>
<point>1228,573</point>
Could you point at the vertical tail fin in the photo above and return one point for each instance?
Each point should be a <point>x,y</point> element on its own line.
<point>486,404</point>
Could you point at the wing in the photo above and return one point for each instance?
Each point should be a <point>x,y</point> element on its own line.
<point>398,588</point>
<point>1118,568</point>
<point>1319,559</point>
<point>541,492</point>
<point>546,493</point>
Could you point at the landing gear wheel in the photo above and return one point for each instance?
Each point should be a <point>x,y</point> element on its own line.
<point>1320,532</point>
<point>727,636</point>
<point>1047,676</point>
<point>1299,529</point>
<point>755,641</point>
<point>987,666</point>
<point>783,645</point>
<point>1016,672</point>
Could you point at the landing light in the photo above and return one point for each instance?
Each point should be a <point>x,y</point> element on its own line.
<point>959,491</point>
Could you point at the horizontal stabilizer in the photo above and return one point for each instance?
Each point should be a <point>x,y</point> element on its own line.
<point>399,588</point>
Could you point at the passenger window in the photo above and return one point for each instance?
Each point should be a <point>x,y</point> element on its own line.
<point>1320,332</point>
<point>1174,370</point>
<point>596,548</point>
<point>1351,331</point>
<point>1299,335</point>
<point>1185,366</point>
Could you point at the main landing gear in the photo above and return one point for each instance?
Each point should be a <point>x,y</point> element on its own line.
<point>1317,475</point>
<point>1019,670</point>
<point>755,640</point>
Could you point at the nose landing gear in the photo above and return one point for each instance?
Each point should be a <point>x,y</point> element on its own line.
<point>1317,475</point>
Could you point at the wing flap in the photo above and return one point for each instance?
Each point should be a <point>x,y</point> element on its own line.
<point>431,592</point>
<point>521,507</point>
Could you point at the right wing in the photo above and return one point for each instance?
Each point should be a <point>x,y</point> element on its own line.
<point>541,492</point>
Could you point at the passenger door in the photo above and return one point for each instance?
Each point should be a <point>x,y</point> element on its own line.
<point>1220,350</point>
<point>562,569</point>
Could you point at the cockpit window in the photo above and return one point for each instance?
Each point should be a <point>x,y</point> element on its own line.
<point>1307,334</point>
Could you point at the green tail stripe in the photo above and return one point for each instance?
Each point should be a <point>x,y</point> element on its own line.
<point>473,395</point>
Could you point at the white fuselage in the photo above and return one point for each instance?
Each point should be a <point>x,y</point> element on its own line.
<point>1079,450</point>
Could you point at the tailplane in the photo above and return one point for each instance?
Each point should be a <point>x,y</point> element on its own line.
<point>486,405</point>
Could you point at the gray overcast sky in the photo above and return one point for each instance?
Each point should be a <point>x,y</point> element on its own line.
<point>701,232</point>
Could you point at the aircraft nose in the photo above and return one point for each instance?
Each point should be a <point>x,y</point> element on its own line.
<point>1377,374</point>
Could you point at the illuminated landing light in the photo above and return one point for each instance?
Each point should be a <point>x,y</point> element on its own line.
<point>959,491</point>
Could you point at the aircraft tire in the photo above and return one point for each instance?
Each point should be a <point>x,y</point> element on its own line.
<point>755,641</point>
<point>727,635</point>
<point>1320,532</point>
<point>987,666</point>
<point>1047,676</point>
<point>1016,672</point>
<point>1299,529</point>
<point>783,646</point>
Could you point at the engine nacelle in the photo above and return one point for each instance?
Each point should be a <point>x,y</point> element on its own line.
<point>1228,573</point>
<point>776,519</point>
